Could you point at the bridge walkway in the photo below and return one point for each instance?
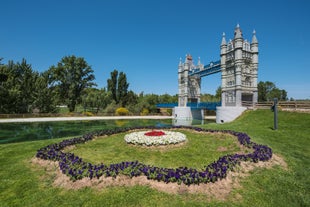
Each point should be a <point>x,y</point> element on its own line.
<point>200,105</point>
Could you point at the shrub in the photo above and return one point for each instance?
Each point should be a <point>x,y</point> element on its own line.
<point>87,113</point>
<point>169,112</point>
<point>111,108</point>
<point>121,111</point>
<point>144,112</point>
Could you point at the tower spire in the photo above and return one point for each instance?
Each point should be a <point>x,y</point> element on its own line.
<point>254,39</point>
<point>223,39</point>
<point>238,32</point>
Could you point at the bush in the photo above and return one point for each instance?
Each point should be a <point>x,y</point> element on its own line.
<point>111,108</point>
<point>87,113</point>
<point>121,111</point>
<point>145,112</point>
<point>169,112</point>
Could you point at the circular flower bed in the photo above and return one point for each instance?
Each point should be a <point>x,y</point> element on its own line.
<point>150,138</point>
<point>76,168</point>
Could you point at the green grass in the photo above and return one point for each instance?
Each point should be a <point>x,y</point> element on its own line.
<point>199,151</point>
<point>24,184</point>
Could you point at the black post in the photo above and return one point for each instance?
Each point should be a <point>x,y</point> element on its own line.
<point>275,110</point>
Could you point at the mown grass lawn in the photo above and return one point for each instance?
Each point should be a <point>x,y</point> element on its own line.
<point>25,184</point>
<point>199,150</point>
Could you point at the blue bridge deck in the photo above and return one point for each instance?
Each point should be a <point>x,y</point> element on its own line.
<point>211,68</point>
<point>201,105</point>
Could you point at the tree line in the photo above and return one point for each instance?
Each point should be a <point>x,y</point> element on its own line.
<point>71,83</point>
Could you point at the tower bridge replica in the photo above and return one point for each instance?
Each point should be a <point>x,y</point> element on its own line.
<point>238,66</point>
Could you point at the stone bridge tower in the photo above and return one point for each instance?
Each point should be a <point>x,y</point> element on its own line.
<point>239,64</point>
<point>189,86</point>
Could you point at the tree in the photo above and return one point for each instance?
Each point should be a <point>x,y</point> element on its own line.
<point>267,91</point>
<point>3,76</point>
<point>166,98</point>
<point>151,101</point>
<point>17,87</point>
<point>45,98</point>
<point>118,86</point>
<point>70,77</point>
<point>4,92</point>
<point>26,78</point>
<point>131,98</point>
<point>218,93</point>
<point>112,85</point>
<point>95,99</point>
<point>122,88</point>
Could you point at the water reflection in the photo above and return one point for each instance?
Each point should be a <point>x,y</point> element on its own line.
<point>187,122</point>
<point>20,132</point>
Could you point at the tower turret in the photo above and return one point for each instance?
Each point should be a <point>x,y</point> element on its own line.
<point>238,46</point>
<point>180,65</point>
<point>223,45</point>
<point>238,42</point>
<point>223,64</point>
<point>238,32</point>
<point>254,48</point>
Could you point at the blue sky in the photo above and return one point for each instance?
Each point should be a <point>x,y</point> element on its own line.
<point>145,39</point>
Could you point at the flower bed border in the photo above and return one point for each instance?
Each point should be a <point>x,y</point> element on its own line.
<point>74,166</point>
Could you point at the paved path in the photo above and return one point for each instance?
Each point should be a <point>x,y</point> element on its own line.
<point>46,119</point>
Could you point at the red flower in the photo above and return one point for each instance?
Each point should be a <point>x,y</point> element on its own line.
<point>155,133</point>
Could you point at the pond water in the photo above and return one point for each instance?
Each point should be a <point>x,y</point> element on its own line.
<point>21,132</point>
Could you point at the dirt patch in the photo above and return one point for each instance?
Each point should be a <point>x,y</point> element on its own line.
<point>219,190</point>
<point>221,149</point>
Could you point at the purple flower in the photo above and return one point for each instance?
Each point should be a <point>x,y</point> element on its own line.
<point>75,167</point>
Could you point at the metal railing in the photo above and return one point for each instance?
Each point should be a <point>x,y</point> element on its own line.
<point>293,105</point>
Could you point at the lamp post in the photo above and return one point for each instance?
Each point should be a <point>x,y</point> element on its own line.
<point>275,111</point>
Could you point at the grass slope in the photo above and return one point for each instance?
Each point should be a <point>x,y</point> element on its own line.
<point>278,187</point>
<point>23,184</point>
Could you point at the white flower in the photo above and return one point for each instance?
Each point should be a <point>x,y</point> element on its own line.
<point>169,138</point>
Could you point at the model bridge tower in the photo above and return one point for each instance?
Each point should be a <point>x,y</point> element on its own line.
<point>239,63</point>
<point>238,66</point>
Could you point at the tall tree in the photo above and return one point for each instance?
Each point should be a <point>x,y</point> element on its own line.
<point>71,76</point>
<point>4,92</point>
<point>45,98</point>
<point>122,88</point>
<point>27,78</point>
<point>118,86</point>
<point>112,85</point>
<point>18,86</point>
